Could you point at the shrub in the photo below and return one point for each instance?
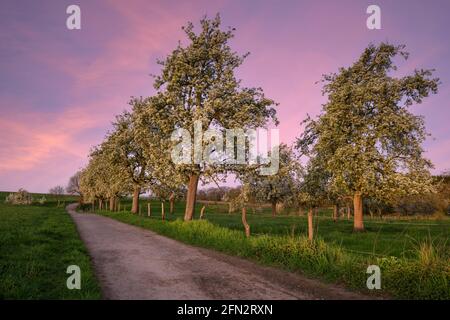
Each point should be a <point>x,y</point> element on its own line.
<point>20,197</point>
<point>410,205</point>
<point>425,278</point>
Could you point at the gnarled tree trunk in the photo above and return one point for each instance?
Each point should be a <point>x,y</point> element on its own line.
<point>191,197</point>
<point>135,205</point>
<point>358,224</point>
<point>310,224</point>
<point>244,222</point>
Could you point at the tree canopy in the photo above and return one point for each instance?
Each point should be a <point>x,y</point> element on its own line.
<point>197,86</point>
<point>369,141</point>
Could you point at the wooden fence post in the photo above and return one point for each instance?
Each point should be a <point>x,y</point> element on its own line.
<point>310,224</point>
<point>202,212</point>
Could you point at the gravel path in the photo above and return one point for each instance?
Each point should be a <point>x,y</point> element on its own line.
<point>134,263</point>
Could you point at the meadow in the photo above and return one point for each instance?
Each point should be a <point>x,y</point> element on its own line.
<point>37,244</point>
<point>389,236</point>
<point>413,254</point>
<point>39,241</point>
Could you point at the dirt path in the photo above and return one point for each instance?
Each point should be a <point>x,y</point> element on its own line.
<point>133,263</point>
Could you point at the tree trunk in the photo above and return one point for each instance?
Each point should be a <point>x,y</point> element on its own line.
<point>191,197</point>
<point>244,222</point>
<point>135,205</point>
<point>349,212</point>
<point>202,212</point>
<point>163,212</point>
<point>358,224</point>
<point>274,208</point>
<point>335,212</point>
<point>149,210</point>
<point>111,203</point>
<point>300,211</point>
<point>171,203</point>
<point>310,224</point>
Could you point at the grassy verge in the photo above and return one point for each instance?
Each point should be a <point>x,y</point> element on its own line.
<point>426,276</point>
<point>37,244</point>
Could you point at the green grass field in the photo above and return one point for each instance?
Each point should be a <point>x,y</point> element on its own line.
<point>389,237</point>
<point>37,244</point>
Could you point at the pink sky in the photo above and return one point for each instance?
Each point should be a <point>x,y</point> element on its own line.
<point>60,89</point>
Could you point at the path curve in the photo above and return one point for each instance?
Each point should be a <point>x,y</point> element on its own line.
<point>134,263</point>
